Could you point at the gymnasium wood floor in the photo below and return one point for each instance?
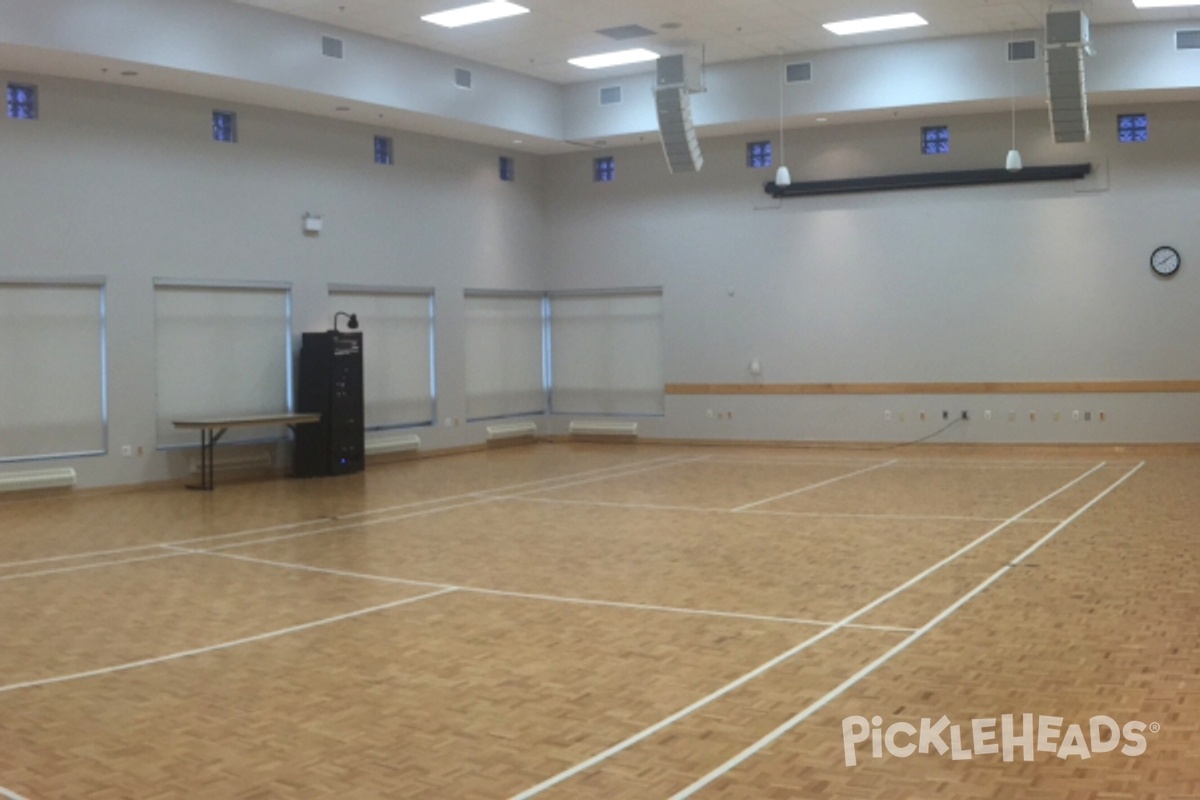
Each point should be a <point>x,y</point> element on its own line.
<point>602,621</point>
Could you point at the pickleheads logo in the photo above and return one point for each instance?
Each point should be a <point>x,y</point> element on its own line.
<point>1005,736</point>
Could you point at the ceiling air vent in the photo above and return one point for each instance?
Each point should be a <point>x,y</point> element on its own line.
<point>1022,51</point>
<point>623,32</point>
<point>1187,40</point>
<point>462,78</point>
<point>610,95</point>
<point>331,47</point>
<point>800,72</point>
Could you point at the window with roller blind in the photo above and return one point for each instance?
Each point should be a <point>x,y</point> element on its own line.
<point>504,335</point>
<point>398,352</point>
<point>220,349</point>
<point>52,356</point>
<point>607,353</point>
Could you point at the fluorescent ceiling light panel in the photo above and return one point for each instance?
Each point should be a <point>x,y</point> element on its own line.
<point>480,12</point>
<point>890,22</point>
<point>1165,3</point>
<point>615,59</point>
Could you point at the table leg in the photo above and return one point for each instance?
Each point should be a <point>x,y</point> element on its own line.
<point>208,440</point>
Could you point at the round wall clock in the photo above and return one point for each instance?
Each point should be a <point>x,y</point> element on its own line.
<point>1165,261</point>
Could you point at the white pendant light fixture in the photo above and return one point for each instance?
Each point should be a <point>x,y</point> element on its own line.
<point>783,176</point>
<point>1013,162</point>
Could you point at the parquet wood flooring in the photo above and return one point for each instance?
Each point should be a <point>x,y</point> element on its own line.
<point>592,621</point>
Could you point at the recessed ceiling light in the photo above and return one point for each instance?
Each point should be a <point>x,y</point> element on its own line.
<point>479,12</point>
<point>615,58</point>
<point>822,119</point>
<point>889,22</point>
<point>1164,3</point>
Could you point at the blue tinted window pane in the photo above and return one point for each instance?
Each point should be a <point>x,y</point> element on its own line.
<point>935,140</point>
<point>758,155</point>
<point>605,170</point>
<point>508,170</point>
<point>224,126</point>
<point>1133,128</point>
<point>22,101</point>
<point>383,150</point>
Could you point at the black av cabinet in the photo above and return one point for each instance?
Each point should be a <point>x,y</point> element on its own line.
<point>331,384</point>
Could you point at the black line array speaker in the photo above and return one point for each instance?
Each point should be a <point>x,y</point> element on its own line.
<point>678,135</point>
<point>1068,39</point>
<point>676,79</point>
<point>331,384</point>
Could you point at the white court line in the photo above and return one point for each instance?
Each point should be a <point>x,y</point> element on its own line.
<point>316,521</point>
<point>717,510</point>
<point>12,687</point>
<point>749,676</point>
<point>140,547</point>
<point>9,794</point>
<point>81,567</point>
<point>676,610</point>
<point>1010,465</point>
<point>598,474</point>
<point>813,486</point>
<point>480,498</point>
<point>774,735</point>
<point>322,570</point>
<point>319,520</point>
<point>792,462</point>
<point>580,601</point>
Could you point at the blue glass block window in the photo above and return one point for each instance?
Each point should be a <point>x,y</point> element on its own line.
<point>508,169</point>
<point>224,126</point>
<point>22,101</point>
<point>1133,128</point>
<point>935,141</point>
<point>383,150</point>
<point>604,169</point>
<point>758,155</point>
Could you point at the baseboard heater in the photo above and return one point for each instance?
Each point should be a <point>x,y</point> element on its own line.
<point>233,463</point>
<point>622,429</point>
<point>37,479</point>
<point>511,430</point>
<point>393,444</point>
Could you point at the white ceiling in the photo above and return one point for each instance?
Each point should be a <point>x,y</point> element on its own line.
<point>539,43</point>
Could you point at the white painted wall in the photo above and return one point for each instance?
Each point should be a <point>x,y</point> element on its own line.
<point>1037,282</point>
<point>1043,282</point>
<point>128,184</point>
<point>865,81</point>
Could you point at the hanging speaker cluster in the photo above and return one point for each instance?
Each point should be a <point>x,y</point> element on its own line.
<point>678,77</point>
<point>1068,40</point>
